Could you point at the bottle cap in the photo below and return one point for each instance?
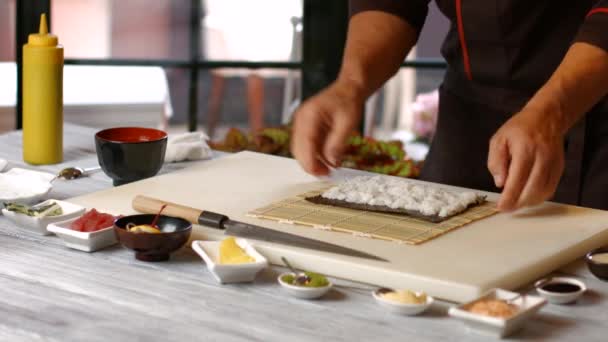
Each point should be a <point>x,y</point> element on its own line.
<point>43,37</point>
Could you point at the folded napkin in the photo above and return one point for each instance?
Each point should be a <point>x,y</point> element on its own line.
<point>187,146</point>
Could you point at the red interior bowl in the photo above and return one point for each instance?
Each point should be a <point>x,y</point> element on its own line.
<point>128,154</point>
<point>131,134</point>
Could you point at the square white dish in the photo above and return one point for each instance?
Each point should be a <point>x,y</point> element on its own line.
<point>209,252</point>
<point>84,241</point>
<point>39,224</point>
<point>499,327</point>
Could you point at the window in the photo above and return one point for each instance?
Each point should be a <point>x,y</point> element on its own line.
<point>192,64</point>
<point>8,71</point>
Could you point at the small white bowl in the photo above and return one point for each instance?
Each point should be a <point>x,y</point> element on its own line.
<point>560,298</point>
<point>303,292</point>
<point>402,308</point>
<point>38,224</point>
<point>83,241</point>
<point>37,183</point>
<point>499,327</point>
<point>225,274</point>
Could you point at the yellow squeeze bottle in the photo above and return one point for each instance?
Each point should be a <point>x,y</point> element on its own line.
<point>42,98</point>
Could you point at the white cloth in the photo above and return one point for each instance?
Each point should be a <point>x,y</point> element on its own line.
<point>187,146</point>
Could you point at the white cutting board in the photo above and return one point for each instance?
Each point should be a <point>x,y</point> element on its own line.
<point>505,250</point>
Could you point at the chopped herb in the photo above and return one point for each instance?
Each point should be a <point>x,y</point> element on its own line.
<point>40,210</point>
<point>316,280</point>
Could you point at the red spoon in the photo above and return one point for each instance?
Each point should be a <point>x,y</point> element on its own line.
<point>153,224</point>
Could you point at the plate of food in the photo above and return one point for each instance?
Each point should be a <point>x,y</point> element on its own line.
<point>498,312</point>
<point>37,217</point>
<point>230,260</point>
<point>404,302</point>
<point>89,232</point>
<point>24,186</point>
<point>315,286</point>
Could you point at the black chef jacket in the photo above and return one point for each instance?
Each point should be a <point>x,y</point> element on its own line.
<point>499,53</point>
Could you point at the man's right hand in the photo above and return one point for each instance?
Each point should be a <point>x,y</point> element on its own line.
<point>323,124</point>
<point>376,45</point>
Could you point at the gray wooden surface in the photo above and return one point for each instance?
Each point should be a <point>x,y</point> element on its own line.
<point>51,293</point>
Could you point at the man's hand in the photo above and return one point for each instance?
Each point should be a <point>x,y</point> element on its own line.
<point>322,126</point>
<point>526,158</point>
<point>376,45</point>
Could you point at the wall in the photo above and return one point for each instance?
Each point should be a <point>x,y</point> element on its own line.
<point>7,30</point>
<point>83,27</point>
<point>141,28</point>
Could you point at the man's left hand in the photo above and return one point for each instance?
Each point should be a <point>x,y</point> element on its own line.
<point>526,159</point>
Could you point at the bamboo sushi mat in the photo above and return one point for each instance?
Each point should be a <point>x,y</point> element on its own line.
<point>391,227</point>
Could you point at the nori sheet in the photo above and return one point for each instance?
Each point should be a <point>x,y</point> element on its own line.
<point>384,209</point>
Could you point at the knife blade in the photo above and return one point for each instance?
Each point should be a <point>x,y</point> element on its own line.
<point>150,205</point>
<point>250,231</point>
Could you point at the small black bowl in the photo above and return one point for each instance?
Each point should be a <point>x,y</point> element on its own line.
<point>600,270</point>
<point>128,154</point>
<point>150,246</point>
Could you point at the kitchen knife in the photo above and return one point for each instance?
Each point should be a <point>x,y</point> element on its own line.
<point>150,205</point>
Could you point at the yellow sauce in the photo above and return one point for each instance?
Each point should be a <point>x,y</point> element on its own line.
<point>232,254</point>
<point>405,297</point>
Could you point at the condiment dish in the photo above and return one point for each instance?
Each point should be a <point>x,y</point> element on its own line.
<point>24,186</point>
<point>233,273</point>
<point>83,241</point>
<point>303,292</point>
<point>599,269</point>
<point>560,290</point>
<point>526,305</point>
<point>174,234</point>
<point>39,224</point>
<point>403,308</point>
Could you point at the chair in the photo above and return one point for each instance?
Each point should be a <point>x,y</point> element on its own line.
<point>258,31</point>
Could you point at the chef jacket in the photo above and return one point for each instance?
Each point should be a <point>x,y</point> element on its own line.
<point>499,53</point>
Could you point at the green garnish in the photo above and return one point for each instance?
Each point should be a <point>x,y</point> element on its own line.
<point>39,210</point>
<point>316,280</point>
<point>288,278</point>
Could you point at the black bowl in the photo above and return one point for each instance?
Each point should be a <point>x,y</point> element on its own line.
<point>598,269</point>
<point>128,154</point>
<point>150,246</point>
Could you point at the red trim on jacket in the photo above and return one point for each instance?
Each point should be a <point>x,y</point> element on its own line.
<point>463,43</point>
<point>597,10</point>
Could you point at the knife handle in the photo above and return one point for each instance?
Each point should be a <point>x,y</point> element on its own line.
<point>149,205</point>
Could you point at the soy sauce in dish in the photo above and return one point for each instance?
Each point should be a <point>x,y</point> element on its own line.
<point>561,287</point>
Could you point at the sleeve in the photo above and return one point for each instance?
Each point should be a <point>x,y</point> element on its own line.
<point>412,11</point>
<point>594,29</point>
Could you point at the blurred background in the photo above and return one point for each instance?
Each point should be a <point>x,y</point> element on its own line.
<point>212,65</point>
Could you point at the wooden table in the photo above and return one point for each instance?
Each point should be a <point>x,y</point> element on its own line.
<point>51,293</point>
